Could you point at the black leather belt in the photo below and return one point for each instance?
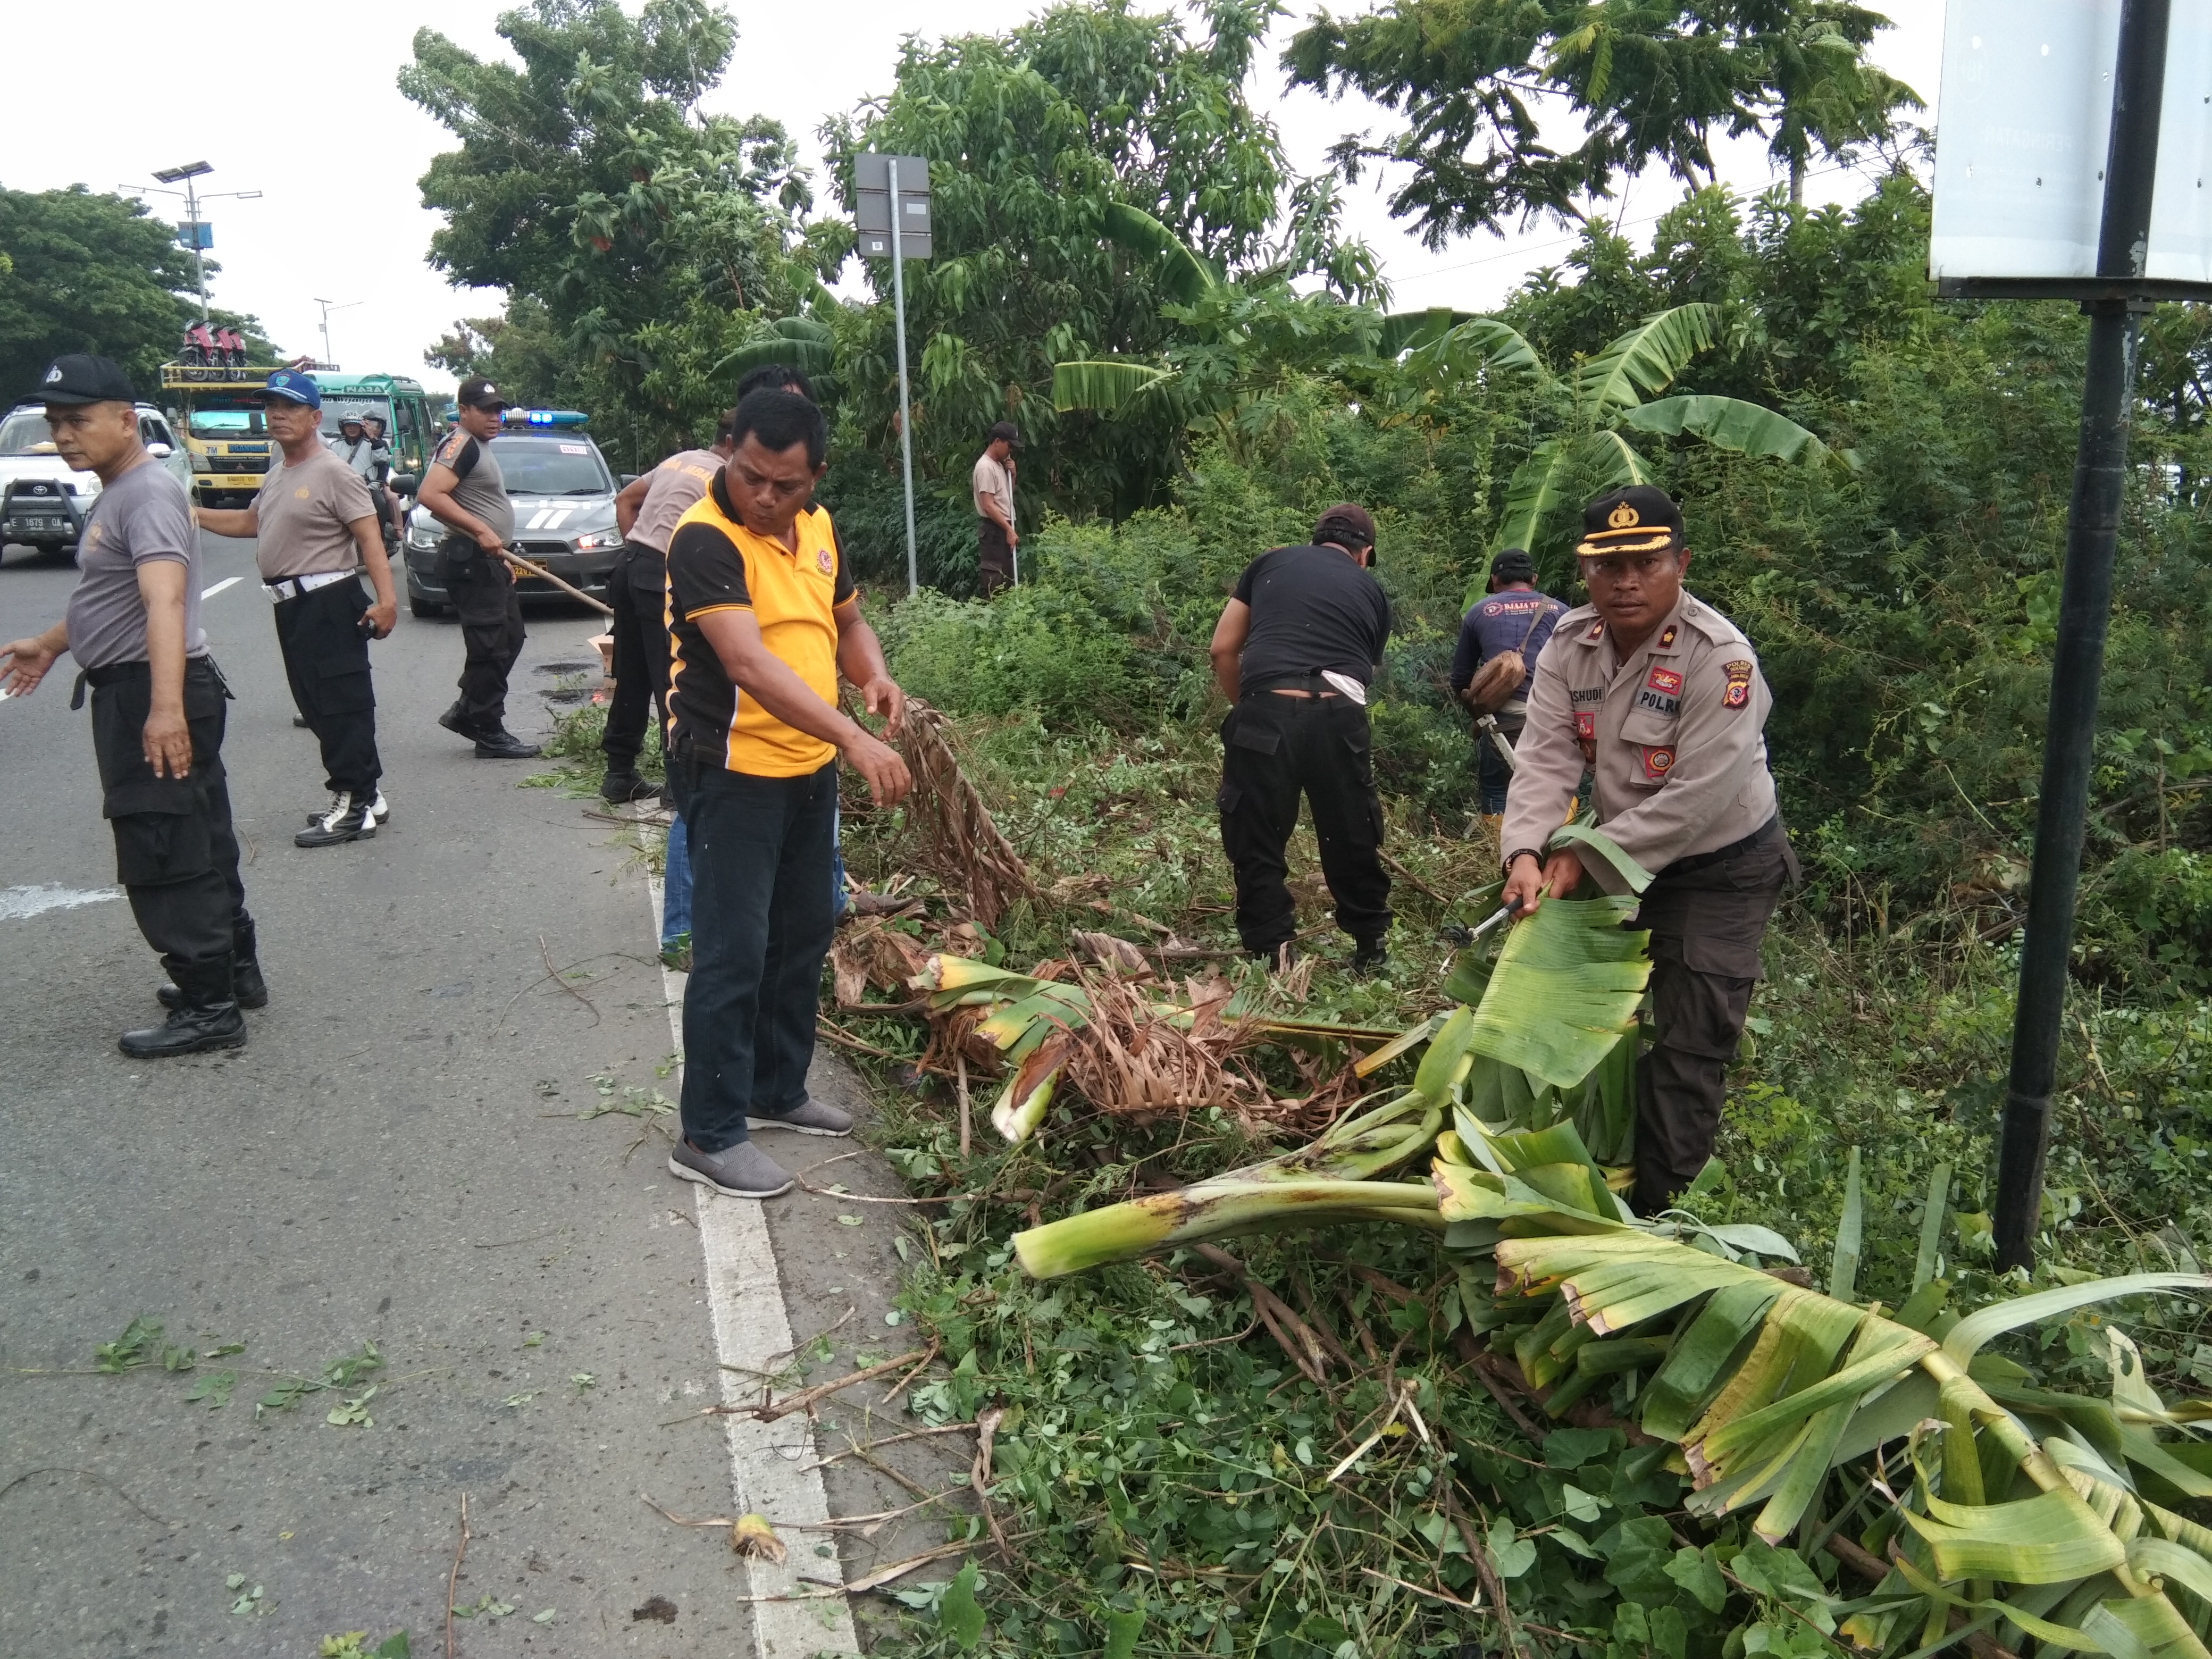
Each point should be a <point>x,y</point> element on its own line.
<point>1759,837</point>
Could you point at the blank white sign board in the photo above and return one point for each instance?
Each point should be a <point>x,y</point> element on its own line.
<point>2027,112</point>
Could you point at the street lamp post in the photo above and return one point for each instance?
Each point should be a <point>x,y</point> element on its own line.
<point>185,175</point>
<point>330,356</point>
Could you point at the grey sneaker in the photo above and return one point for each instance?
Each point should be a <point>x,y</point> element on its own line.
<point>808,1117</point>
<point>739,1171</point>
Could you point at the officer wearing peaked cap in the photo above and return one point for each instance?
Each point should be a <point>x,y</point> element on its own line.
<point>1659,697</point>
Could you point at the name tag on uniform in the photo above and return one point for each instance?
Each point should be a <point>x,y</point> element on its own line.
<point>1661,691</point>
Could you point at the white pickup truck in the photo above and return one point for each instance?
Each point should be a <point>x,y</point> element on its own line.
<point>42,503</point>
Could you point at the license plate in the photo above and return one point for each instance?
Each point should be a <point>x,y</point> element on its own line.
<point>40,523</point>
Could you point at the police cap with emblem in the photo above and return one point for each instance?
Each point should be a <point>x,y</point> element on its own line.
<point>1635,518</point>
<point>78,378</point>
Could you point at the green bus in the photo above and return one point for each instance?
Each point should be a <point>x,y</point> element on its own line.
<point>401,403</point>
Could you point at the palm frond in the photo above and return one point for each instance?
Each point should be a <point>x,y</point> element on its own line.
<point>1644,362</point>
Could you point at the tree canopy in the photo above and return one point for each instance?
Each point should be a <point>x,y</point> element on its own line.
<point>1648,85</point>
<point>588,180</point>
<point>91,271</point>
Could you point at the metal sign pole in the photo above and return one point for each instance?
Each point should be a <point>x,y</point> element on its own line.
<point>906,414</point>
<point>2084,609</point>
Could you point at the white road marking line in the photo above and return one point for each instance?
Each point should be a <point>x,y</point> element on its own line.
<point>228,581</point>
<point>16,903</point>
<point>770,1462</point>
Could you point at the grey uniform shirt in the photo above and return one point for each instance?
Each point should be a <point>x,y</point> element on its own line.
<point>304,517</point>
<point>142,515</point>
<point>1673,735</point>
<point>477,487</point>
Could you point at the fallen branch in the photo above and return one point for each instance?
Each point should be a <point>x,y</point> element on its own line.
<point>546,954</point>
<point>804,1400</point>
<point>888,1440</point>
<point>1436,1596</point>
<point>1292,1333</point>
<point>979,1477</point>
<point>453,1578</point>
<point>882,1576</point>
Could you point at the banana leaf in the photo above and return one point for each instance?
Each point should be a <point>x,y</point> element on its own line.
<point>1644,362</point>
<point>1107,386</point>
<point>1730,423</point>
<point>1566,989</point>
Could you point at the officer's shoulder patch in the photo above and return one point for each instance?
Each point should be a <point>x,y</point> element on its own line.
<point>1737,692</point>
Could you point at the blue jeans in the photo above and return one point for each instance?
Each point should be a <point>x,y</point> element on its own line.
<point>761,852</point>
<point>676,885</point>
<point>1491,774</point>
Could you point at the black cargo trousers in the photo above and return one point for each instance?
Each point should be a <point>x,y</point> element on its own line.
<point>482,588</point>
<point>326,654</point>
<point>176,855</point>
<point>637,591</point>
<point>1707,916</point>
<point>1273,748</point>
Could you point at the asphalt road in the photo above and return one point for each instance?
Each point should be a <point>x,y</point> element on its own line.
<point>396,1160</point>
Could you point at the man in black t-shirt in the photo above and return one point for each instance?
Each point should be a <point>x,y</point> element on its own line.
<point>1298,645</point>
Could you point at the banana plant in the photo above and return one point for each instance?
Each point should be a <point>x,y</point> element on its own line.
<point>1601,400</point>
<point>1561,1001</point>
<point>2005,1506</point>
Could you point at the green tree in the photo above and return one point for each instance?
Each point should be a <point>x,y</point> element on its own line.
<point>1036,138</point>
<point>1648,84</point>
<point>87,272</point>
<point>588,181</point>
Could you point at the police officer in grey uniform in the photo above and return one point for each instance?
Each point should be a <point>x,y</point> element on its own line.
<point>133,625</point>
<point>1659,697</point>
<point>465,493</point>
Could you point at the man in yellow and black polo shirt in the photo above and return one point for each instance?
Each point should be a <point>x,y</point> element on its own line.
<point>762,618</point>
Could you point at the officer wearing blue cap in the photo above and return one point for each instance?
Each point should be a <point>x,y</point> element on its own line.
<point>157,710</point>
<point>313,523</point>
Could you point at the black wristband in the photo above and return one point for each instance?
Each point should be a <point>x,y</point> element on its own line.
<point>1522,853</point>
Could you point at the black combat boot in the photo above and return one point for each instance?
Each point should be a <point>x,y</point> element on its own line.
<point>246,984</point>
<point>207,1018</point>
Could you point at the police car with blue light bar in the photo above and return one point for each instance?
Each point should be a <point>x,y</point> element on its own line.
<point>564,493</point>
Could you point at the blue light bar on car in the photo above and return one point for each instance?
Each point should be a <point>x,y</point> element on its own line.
<point>549,416</point>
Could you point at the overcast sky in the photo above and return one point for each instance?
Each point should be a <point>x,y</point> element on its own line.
<point>336,151</point>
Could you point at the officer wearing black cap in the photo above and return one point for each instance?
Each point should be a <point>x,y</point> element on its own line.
<point>133,625</point>
<point>464,492</point>
<point>1659,697</point>
<point>1298,645</point>
<point>1513,620</point>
